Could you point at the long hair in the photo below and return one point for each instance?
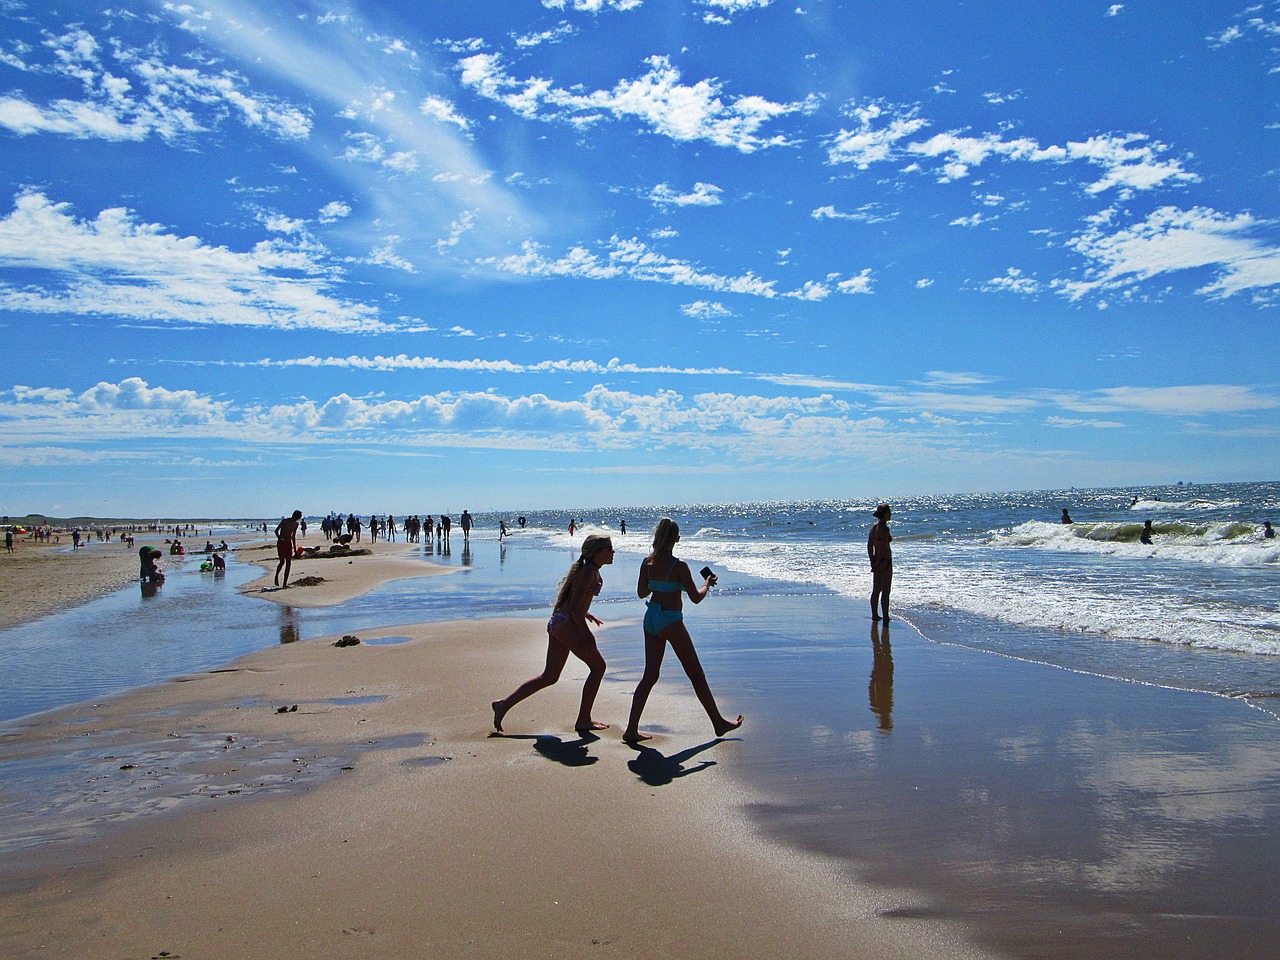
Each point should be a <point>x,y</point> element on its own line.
<point>665,535</point>
<point>592,544</point>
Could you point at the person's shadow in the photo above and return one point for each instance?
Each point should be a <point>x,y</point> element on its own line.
<point>659,770</point>
<point>571,753</point>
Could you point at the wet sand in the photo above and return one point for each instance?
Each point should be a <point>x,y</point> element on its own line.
<point>381,819</point>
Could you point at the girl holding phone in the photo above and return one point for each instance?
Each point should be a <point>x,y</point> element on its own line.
<point>663,579</point>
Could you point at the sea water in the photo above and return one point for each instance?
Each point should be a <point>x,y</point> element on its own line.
<point>1198,608</point>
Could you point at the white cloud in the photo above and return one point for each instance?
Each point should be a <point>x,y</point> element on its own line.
<point>118,267</point>
<point>1130,162</point>
<point>705,310</point>
<point>1067,423</point>
<point>881,127</point>
<point>723,11</point>
<point>1171,240</point>
<point>438,108</point>
<point>1012,282</point>
<point>702,195</point>
<point>170,102</point>
<point>1114,10</point>
<point>465,222</point>
<point>868,213</point>
<point>860,283</point>
<point>333,211</point>
<point>1193,400</point>
<point>629,258</point>
<point>555,35</point>
<point>657,99</point>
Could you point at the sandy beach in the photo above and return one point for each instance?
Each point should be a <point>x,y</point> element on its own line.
<point>381,819</point>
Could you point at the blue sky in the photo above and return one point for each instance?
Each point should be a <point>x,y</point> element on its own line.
<point>415,257</point>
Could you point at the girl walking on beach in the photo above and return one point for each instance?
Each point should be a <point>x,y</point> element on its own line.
<point>665,578</point>
<point>567,632</point>
<point>881,557</point>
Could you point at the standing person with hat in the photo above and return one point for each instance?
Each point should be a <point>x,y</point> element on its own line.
<point>881,557</point>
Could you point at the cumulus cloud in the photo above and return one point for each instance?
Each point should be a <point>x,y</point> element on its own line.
<point>723,11</point>
<point>657,100</point>
<point>702,195</point>
<point>116,266</point>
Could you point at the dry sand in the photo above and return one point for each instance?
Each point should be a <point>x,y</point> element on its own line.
<point>406,830</point>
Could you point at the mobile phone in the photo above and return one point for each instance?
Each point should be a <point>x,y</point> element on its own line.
<point>706,573</point>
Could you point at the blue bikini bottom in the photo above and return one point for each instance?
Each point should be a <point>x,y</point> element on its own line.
<point>657,619</point>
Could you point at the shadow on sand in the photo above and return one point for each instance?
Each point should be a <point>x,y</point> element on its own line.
<point>571,753</point>
<point>658,770</point>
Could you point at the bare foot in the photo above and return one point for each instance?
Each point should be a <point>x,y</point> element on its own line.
<point>590,726</point>
<point>635,737</point>
<point>499,711</point>
<point>874,617</point>
<point>724,726</point>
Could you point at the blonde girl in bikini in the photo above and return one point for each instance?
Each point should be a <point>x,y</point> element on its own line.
<point>567,632</point>
<point>663,579</point>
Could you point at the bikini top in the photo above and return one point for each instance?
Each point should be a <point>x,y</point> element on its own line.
<point>667,586</point>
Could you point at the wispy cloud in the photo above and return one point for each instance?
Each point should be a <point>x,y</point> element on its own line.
<point>1171,240</point>
<point>115,266</point>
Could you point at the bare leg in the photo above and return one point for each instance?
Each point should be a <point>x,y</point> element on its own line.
<point>654,648</point>
<point>678,636</point>
<point>583,644</point>
<point>557,655</point>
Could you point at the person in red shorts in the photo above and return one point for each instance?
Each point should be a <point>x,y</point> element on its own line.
<point>286,545</point>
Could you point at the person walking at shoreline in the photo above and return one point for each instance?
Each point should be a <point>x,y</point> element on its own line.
<point>286,546</point>
<point>664,578</point>
<point>881,557</point>
<point>567,632</point>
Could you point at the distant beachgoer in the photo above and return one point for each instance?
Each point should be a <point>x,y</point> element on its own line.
<point>75,539</point>
<point>1145,536</point>
<point>8,540</point>
<point>465,520</point>
<point>881,556</point>
<point>1066,517</point>
<point>219,563</point>
<point>665,578</point>
<point>286,546</point>
<point>1267,532</point>
<point>522,521</point>
<point>571,526</point>
<point>622,527</point>
<point>567,632</point>
<point>446,524</point>
<point>502,529</point>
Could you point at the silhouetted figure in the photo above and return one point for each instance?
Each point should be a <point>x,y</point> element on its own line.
<point>567,632</point>
<point>666,579</point>
<point>881,557</point>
